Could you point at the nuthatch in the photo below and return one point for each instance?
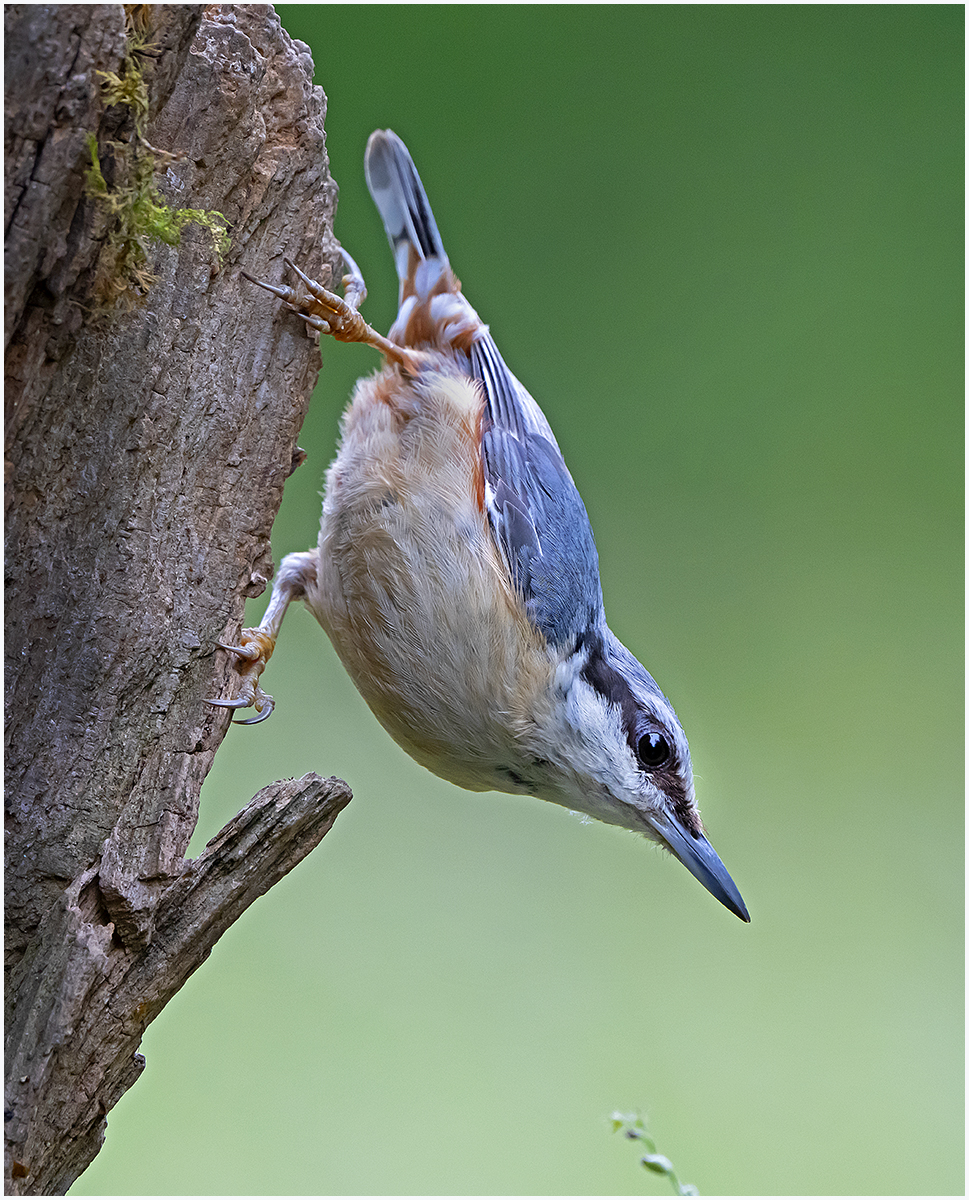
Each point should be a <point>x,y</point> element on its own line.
<point>456,573</point>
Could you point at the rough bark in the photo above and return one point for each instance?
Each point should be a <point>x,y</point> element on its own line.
<point>146,450</point>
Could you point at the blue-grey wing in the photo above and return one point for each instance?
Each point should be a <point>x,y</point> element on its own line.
<point>536,513</point>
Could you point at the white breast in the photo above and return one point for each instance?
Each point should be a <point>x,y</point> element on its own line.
<point>411,588</point>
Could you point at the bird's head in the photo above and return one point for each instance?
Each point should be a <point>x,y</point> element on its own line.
<point>620,755</point>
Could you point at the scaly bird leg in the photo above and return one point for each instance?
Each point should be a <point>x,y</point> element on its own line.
<point>325,311</point>
<point>257,644</point>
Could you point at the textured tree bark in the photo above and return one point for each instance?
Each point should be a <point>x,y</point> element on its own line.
<point>146,451</point>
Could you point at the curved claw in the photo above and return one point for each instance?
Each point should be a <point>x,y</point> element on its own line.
<point>253,651</point>
<point>263,704</point>
<point>280,290</point>
<point>314,322</point>
<point>264,709</point>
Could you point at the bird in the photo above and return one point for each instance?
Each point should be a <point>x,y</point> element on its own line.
<point>456,573</point>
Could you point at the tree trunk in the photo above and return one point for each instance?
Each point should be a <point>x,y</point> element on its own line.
<point>149,431</point>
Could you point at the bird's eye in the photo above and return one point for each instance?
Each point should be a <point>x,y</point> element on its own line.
<point>653,750</point>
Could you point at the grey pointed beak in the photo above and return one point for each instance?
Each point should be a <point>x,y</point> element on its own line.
<point>701,860</point>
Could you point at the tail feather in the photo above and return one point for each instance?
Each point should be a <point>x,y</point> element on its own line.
<point>399,195</point>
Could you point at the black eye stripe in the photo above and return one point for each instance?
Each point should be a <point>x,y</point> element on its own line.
<point>603,678</point>
<point>638,723</point>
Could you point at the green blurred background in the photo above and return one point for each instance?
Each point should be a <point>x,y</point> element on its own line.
<point>723,248</point>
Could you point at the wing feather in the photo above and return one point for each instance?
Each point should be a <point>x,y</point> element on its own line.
<point>536,513</point>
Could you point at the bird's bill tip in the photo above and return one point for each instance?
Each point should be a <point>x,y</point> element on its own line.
<point>701,860</point>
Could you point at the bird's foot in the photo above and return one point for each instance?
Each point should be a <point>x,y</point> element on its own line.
<point>253,654</point>
<point>325,311</point>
